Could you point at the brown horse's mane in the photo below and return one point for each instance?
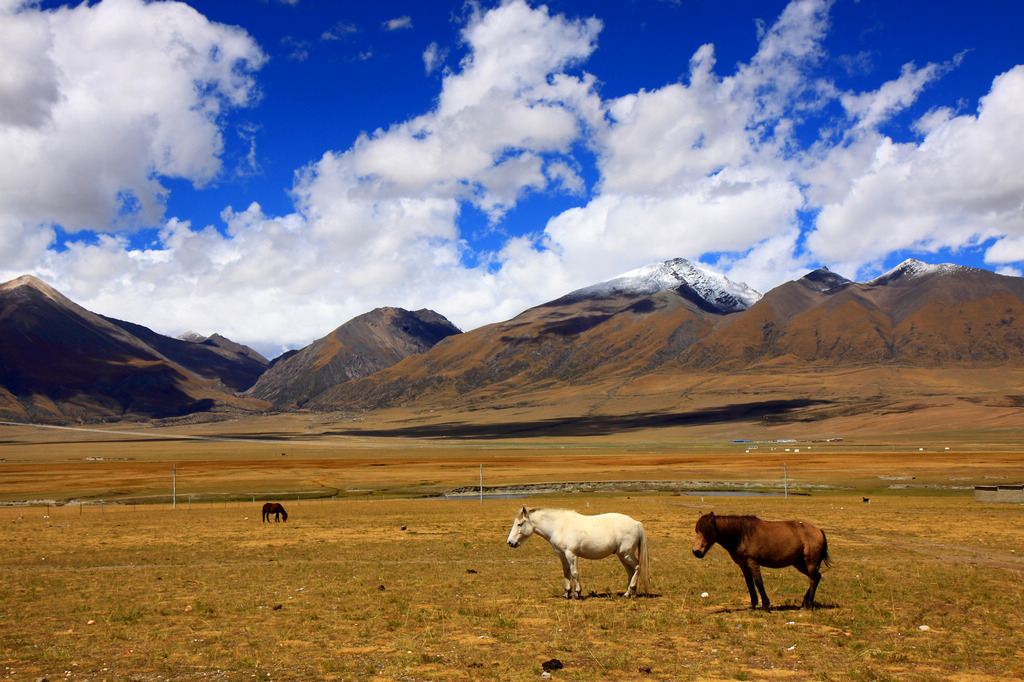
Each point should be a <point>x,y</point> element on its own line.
<point>728,530</point>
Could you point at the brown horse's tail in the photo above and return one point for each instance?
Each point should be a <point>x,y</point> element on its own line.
<point>645,563</point>
<point>826,560</point>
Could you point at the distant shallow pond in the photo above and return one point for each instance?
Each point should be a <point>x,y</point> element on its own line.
<point>487,496</point>
<point>735,493</point>
<point>689,493</point>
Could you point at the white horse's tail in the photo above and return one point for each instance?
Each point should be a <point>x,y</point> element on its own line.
<point>645,563</point>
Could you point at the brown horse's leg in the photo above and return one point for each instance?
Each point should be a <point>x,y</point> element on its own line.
<point>802,566</point>
<point>748,575</point>
<point>815,576</point>
<point>756,571</point>
<point>809,597</point>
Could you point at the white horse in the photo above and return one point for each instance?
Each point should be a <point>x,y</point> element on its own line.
<point>574,535</point>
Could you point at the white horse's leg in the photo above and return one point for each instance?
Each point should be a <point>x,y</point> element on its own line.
<point>566,574</point>
<point>632,565</point>
<point>575,571</point>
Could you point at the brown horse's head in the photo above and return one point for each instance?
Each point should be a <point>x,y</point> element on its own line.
<point>706,534</point>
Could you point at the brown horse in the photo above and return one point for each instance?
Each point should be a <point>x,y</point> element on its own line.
<point>753,543</point>
<point>276,509</point>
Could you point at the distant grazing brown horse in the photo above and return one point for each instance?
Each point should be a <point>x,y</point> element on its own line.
<point>276,509</point>
<point>753,543</point>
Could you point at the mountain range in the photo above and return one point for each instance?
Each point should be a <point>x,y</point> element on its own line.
<point>657,339</point>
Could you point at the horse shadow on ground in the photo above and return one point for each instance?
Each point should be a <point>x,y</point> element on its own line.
<point>775,609</point>
<point>612,596</point>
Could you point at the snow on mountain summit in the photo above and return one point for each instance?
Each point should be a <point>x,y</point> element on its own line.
<point>912,268</point>
<point>194,337</point>
<point>717,291</point>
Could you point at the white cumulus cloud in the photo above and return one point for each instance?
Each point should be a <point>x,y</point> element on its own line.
<point>696,167</point>
<point>98,102</point>
<point>763,170</point>
<point>959,186</point>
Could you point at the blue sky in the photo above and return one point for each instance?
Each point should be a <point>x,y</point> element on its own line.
<point>268,170</point>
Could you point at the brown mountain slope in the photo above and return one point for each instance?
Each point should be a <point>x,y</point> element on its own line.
<point>944,341</point>
<point>916,314</point>
<point>217,358</point>
<point>59,361</point>
<point>564,343</point>
<point>798,348</point>
<point>362,346</point>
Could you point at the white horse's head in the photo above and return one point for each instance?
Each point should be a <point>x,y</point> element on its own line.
<point>522,528</point>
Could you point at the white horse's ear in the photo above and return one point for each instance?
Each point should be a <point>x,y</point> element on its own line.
<point>525,513</point>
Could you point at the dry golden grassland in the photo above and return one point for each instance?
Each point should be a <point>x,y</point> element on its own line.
<point>428,590</point>
<point>365,582</point>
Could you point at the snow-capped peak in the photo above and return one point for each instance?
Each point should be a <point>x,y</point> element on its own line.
<point>193,337</point>
<point>720,293</point>
<point>913,268</point>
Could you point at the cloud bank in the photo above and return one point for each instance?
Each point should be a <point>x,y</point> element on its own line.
<point>763,173</point>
